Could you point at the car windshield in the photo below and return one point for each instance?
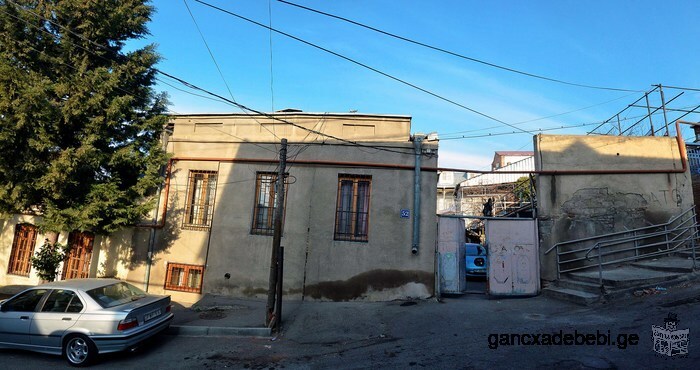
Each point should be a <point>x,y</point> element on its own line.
<point>115,294</point>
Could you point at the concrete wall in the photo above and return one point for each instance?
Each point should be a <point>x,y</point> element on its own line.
<point>573,206</point>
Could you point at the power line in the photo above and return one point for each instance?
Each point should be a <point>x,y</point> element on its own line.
<point>546,117</point>
<point>454,53</point>
<point>133,95</point>
<point>557,128</point>
<point>272,84</point>
<point>514,132</point>
<point>206,44</point>
<point>681,88</point>
<point>195,87</point>
<point>362,65</point>
<point>211,54</point>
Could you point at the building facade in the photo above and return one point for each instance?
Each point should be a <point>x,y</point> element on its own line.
<point>348,224</point>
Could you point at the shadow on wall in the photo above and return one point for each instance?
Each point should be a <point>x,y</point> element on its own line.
<point>606,203</point>
<point>129,248</point>
<point>5,247</point>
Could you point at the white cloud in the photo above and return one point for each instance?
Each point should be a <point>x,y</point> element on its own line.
<point>451,159</point>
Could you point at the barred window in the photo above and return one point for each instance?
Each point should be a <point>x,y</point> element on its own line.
<point>201,189</point>
<point>77,262</point>
<point>264,207</point>
<point>22,249</point>
<point>352,209</point>
<point>185,278</point>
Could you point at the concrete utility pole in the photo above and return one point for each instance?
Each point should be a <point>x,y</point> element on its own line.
<point>276,241</point>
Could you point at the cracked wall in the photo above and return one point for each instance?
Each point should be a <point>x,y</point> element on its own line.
<point>575,206</point>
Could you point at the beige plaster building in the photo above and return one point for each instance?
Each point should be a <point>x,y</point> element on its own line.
<point>348,217</point>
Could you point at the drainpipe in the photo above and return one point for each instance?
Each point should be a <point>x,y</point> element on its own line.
<point>417,146</point>
<point>165,172</point>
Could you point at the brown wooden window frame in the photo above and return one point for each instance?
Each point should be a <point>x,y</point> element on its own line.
<point>264,203</point>
<point>182,285</point>
<point>20,262</point>
<point>76,265</point>
<point>199,208</point>
<point>352,208</point>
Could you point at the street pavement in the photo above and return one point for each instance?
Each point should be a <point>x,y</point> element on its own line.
<point>457,332</point>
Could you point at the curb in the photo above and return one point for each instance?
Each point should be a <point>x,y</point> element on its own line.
<point>218,331</point>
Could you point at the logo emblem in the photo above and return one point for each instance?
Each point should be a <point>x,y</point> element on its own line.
<point>668,339</point>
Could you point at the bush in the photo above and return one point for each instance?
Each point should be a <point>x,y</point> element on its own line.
<point>46,261</point>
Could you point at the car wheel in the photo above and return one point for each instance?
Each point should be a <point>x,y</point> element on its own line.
<point>79,350</point>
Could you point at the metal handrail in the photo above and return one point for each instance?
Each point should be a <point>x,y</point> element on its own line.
<point>625,240</point>
<point>637,257</point>
<point>674,235</point>
<point>669,222</point>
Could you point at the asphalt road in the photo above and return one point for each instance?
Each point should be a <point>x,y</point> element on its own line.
<point>455,334</point>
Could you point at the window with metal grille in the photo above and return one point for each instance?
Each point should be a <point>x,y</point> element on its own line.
<point>264,207</point>
<point>22,249</point>
<point>352,209</point>
<point>77,262</point>
<point>201,189</point>
<point>185,278</point>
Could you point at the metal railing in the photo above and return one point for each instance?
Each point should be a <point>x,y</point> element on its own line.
<point>629,245</point>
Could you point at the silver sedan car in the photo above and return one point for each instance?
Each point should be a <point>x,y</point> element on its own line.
<point>82,318</point>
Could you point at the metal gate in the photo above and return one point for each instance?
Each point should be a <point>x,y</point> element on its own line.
<point>513,257</point>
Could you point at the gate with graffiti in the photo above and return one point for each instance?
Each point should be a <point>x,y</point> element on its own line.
<point>513,250</point>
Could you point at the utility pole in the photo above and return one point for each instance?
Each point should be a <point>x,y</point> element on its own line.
<point>270,313</point>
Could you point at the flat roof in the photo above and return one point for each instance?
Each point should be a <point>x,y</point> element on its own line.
<point>274,114</point>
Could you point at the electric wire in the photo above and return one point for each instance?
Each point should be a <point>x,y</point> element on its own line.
<point>514,132</point>
<point>680,88</point>
<point>445,51</point>
<point>211,54</point>
<point>272,80</point>
<point>268,115</point>
<point>130,93</point>
<point>366,66</point>
<point>557,128</point>
<point>546,117</point>
<point>221,98</point>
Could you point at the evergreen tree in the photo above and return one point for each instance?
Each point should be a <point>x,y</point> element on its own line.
<point>80,123</point>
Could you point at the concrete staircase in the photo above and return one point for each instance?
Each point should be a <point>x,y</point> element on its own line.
<point>583,287</point>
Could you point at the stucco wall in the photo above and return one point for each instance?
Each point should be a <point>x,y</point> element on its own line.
<point>316,265</point>
<point>573,206</point>
<point>105,261</point>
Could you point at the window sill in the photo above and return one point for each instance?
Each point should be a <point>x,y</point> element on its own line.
<point>18,274</point>
<point>196,227</point>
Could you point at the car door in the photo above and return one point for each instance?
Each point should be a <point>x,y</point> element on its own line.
<point>16,315</point>
<point>59,312</point>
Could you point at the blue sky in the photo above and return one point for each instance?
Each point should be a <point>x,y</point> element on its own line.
<point>621,44</point>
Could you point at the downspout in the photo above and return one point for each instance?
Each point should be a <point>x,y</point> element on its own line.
<point>417,146</point>
<point>165,172</point>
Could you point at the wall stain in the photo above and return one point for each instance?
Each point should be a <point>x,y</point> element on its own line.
<point>252,292</point>
<point>357,286</point>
